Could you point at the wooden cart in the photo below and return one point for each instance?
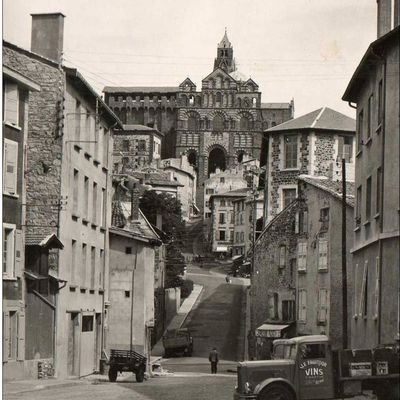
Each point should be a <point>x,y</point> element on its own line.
<point>126,360</point>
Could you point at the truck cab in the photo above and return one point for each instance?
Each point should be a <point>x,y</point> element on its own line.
<point>301,369</point>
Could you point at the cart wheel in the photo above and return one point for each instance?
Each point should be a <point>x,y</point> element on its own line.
<point>112,374</point>
<point>140,374</point>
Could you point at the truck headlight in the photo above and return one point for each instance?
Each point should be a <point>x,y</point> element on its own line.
<point>247,388</point>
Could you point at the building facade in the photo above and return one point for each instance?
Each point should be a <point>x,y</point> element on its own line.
<point>16,89</point>
<point>215,126</point>
<point>68,191</point>
<point>374,88</point>
<point>312,144</point>
<point>135,147</point>
<point>319,258</point>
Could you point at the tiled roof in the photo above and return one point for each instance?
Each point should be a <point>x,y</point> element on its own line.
<point>141,89</point>
<point>233,193</point>
<point>48,239</point>
<point>275,106</point>
<point>137,127</point>
<point>332,187</point>
<point>117,216</point>
<point>322,119</point>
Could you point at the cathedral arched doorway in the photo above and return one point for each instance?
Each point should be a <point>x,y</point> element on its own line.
<point>216,159</point>
<point>192,158</point>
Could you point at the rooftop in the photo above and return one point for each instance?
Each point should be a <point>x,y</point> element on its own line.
<point>276,106</point>
<point>322,119</point>
<point>141,89</point>
<point>332,187</point>
<point>233,193</point>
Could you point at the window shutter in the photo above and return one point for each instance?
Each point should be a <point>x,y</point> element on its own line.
<point>296,229</point>
<point>323,305</point>
<point>21,336</point>
<point>340,147</point>
<point>11,103</point>
<point>6,332</point>
<point>10,167</point>
<point>363,288</point>
<point>376,287</point>
<point>18,253</point>
<point>355,290</point>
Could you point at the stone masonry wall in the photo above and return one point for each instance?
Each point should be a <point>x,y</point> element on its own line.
<point>44,146</point>
<point>324,153</point>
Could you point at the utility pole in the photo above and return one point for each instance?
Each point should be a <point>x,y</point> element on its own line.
<point>344,265</point>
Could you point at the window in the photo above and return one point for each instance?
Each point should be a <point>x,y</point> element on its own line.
<point>221,235</point>
<point>290,144</point>
<point>10,163</point>
<point>360,133</point>
<point>232,217</point>
<point>288,195</point>
<point>75,194</point>
<point>302,222</point>
<point>222,218</point>
<point>86,197</point>
<point>105,147</point>
<point>92,266</point>
<point>237,237</point>
<point>101,266</point>
<point>125,145</point>
<point>273,305</point>
<point>312,350</point>
<point>231,235</point>
<point>288,310</point>
<point>73,260</point>
<point>103,207</point>
<point>302,305</point>
<point>94,203</point>
<point>380,102</point>
<point>11,103</point>
<point>222,203</point>
<point>87,323</point>
<point>9,250</point>
<point>77,120</point>
<point>244,124</point>
<point>12,335</point>
<point>377,269</point>
<point>218,123</point>
<point>378,190</point>
<point>369,116</point>
<point>368,199</point>
<point>192,123</point>
<point>128,250</point>
<point>209,191</point>
<point>358,205</point>
<point>242,236</point>
<point>345,148</point>
<point>302,256</point>
<point>282,256</point>
<point>83,265</point>
<point>324,218</point>
<point>364,290</point>
<point>142,145</point>
<point>322,254</point>
<point>222,180</point>
<point>322,305</point>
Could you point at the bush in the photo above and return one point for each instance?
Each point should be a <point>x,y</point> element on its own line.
<point>186,288</point>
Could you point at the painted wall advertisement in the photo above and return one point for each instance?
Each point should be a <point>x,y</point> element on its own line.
<point>313,372</point>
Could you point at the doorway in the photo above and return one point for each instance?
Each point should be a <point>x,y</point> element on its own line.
<point>216,159</point>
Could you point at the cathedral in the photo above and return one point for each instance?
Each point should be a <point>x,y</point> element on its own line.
<point>214,126</point>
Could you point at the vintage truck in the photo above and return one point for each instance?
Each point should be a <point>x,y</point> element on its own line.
<point>306,368</point>
<point>178,341</point>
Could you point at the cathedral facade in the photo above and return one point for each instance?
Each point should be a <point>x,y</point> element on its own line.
<point>215,126</point>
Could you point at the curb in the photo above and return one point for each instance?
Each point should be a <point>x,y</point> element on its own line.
<point>39,387</point>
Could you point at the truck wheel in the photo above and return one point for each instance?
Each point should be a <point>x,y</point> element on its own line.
<point>112,374</point>
<point>140,374</point>
<point>276,392</point>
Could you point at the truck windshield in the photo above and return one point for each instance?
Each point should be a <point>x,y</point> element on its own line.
<point>289,352</point>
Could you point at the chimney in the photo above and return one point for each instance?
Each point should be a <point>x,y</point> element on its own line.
<point>48,35</point>
<point>135,199</point>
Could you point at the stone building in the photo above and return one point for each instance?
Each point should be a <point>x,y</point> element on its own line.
<point>16,89</point>
<point>312,144</point>
<point>68,193</point>
<point>215,126</point>
<point>223,220</point>
<point>182,172</point>
<point>227,180</point>
<point>133,245</point>
<point>319,258</point>
<point>374,88</point>
<point>135,147</point>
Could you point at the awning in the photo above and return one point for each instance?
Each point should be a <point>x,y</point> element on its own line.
<point>222,248</point>
<point>34,276</point>
<point>270,330</point>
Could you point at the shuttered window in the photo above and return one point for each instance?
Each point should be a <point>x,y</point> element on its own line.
<point>10,161</point>
<point>9,233</point>
<point>376,288</point>
<point>302,256</point>
<point>302,305</point>
<point>322,254</point>
<point>363,307</point>
<point>322,305</point>
<point>11,103</point>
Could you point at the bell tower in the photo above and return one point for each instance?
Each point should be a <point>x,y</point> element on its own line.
<point>224,58</point>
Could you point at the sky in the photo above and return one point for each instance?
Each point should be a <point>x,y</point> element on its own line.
<point>301,49</point>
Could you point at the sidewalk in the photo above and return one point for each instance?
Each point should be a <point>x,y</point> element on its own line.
<point>15,387</point>
<point>179,318</point>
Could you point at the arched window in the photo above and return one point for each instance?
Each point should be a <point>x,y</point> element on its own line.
<point>205,100</point>
<point>254,102</point>
<point>218,81</point>
<point>192,123</point>
<point>239,102</point>
<point>210,100</point>
<point>211,83</point>
<point>218,99</point>
<point>218,123</point>
<point>227,83</point>
<point>191,100</point>
<point>225,100</point>
<point>244,123</point>
<point>233,124</point>
<point>184,100</point>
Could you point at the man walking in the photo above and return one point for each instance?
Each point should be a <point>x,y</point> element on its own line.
<point>213,358</point>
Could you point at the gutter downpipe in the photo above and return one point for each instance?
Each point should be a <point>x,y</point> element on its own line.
<point>266,182</point>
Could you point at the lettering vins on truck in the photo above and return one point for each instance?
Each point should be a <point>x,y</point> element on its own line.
<point>306,368</point>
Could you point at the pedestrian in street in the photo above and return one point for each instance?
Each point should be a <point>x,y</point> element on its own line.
<point>213,358</point>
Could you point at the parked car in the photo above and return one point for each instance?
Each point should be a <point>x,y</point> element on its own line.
<point>178,341</point>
